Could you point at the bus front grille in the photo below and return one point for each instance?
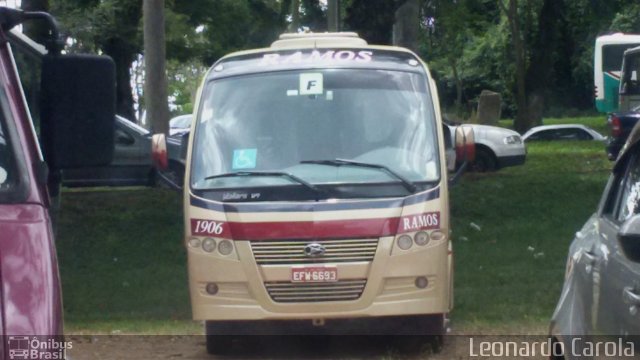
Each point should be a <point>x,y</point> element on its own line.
<point>343,290</point>
<point>275,252</point>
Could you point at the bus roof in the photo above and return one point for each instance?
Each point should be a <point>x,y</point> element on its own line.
<point>617,38</point>
<point>312,51</point>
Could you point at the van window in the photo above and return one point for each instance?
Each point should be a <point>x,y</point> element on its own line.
<point>8,172</point>
<point>629,84</point>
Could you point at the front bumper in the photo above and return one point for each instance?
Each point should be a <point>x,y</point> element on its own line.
<point>514,160</point>
<point>390,288</point>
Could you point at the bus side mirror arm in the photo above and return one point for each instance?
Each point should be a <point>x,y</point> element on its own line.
<point>458,174</point>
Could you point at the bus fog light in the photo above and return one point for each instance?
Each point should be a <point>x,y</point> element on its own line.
<point>208,245</point>
<point>421,238</point>
<point>194,242</point>
<point>212,288</point>
<point>405,242</point>
<point>225,247</point>
<point>422,282</point>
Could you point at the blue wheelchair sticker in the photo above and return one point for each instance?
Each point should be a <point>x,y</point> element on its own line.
<point>244,159</point>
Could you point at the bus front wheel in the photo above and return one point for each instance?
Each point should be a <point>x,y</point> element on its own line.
<point>217,344</point>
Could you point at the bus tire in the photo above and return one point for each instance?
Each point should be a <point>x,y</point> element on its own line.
<point>217,344</point>
<point>429,331</point>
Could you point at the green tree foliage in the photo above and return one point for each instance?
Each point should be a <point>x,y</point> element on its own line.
<point>111,27</point>
<point>467,43</point>
<point>372,19</point>
<point>628,20</point>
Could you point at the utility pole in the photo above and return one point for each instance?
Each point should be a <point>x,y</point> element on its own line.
<point>155,83</point>
<point>333,15</point>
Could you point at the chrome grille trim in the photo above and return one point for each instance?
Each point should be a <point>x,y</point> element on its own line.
<point>277,252</point>
<point>343,290</point>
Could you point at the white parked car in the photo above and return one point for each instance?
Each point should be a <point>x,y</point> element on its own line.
<point>496,147</point>
<point>180,124</point>
<point>562,132</point>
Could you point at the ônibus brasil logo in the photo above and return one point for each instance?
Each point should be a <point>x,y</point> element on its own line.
<point>37,348</point>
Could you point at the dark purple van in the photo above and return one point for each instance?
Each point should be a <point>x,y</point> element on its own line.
<point>74,129</point>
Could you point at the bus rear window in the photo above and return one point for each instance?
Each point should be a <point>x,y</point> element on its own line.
<point>612,56</point>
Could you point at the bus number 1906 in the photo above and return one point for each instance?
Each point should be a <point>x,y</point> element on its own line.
<point>206,227</point>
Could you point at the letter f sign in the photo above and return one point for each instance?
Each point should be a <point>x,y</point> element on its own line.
<point>311,84</point>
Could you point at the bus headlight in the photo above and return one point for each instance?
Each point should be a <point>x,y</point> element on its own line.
<point>225,247</point>
<point>421,238</point>
<point>194,242</point>
<point>208,245</point>
<point>405,242</point>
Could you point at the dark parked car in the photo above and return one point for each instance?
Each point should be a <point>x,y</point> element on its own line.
<point>620,124</point>
<point>131,163</point>
<point>601,292</point>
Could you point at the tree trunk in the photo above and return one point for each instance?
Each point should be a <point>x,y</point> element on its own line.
<point>406,28</point>
<point>123,57</point>
<point>459,84</point>
<point>522,121</point>
<point>295,16</point>
<point>333,15</point>
<point>155,86</point>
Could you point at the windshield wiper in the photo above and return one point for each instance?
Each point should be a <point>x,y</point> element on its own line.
<point>342,162</point>
<point>296,179</point>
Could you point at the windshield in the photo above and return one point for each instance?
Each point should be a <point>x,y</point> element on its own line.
<point>283,121</point>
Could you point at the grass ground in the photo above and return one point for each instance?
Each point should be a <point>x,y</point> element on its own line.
<point>124,269</point>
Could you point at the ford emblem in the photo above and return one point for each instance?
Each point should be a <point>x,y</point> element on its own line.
<point>314,250</point>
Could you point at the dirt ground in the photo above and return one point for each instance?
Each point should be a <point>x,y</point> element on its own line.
<point>193,347</point>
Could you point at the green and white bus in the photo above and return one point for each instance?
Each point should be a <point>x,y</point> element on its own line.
<point>607,63</point>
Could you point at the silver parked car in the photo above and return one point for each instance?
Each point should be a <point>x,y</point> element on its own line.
<point>131,163</point>
<point>180,124</point>
<point>562,132</point>
<point>601,292</point>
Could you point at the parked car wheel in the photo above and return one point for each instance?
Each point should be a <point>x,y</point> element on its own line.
<point>485,161</point>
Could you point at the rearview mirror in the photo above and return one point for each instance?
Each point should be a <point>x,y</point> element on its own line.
<point>465,144</point>
<point>629,238</point>
<point>78,97</point>
<point>465,149</point>
<point>159,152</point>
